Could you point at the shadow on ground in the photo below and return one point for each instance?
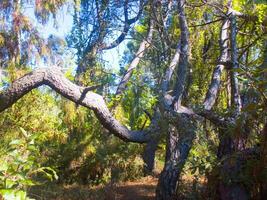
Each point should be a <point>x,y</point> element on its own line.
<point>143,189</point>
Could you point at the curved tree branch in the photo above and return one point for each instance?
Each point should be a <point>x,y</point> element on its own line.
<point>53,78</point>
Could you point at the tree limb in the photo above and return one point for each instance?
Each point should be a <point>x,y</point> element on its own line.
<point>53,78</point>
<point>143,46</point>
<point>235,96</point>
<point>127,26</point>
<point>183,60</point>
<point>215,83</point>
<point>170,69</point>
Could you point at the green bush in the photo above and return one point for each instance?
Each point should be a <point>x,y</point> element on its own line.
<point>20,167</point>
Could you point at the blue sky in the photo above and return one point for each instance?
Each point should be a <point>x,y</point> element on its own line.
<point>62,27</point>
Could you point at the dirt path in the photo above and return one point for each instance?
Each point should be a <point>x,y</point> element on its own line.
<point>142,189</point>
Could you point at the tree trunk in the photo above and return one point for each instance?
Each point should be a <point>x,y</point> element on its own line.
<point>229,186</point>
<point>226,144</point>
<point>168,178</point>
<point>149,155</point>
<point>179,143</point>
<point>232,192</point>
<point>232,187</point>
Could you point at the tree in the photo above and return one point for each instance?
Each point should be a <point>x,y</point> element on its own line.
<point>177,116</point>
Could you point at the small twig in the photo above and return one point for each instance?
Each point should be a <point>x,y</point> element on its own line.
<point>207,23</point>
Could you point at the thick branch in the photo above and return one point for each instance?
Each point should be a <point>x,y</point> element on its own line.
<point>80,95</point>
<point>170,69</point>
<point>183,61</point>
<point>247,17</point>
<point>235,96</point>
<point>214,86</point>
<point>199,114</point>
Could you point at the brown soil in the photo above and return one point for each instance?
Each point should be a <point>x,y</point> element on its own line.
<point>142,189</point>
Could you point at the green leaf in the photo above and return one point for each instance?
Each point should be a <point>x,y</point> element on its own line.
<point>32,148</point>
<point>3,166</point>
<point>21,195</point>
<point>16,142</point>
<point>10,183</point>
<point>10,194</point>
<point>7,194</point>
<point>48,172</point>
<point>24,132</point>
<point>28,182</point>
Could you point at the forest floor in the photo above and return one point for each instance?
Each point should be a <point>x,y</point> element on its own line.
<point>142,189</point>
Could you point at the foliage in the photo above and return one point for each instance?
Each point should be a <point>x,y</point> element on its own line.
<point>88,155</point>
<point>21,166</point>
<point>70,140</point>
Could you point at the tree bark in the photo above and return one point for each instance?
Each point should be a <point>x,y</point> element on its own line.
<point>230,187</point>
<point>217,73</point>
<point>179,139</point>
<point>235,96</point>
<point>229,143</point>
<point>151,147</point>
<point>149,155</point>
<point>182,69</point>
<point>166,187</point>
<point>179,142</point>
<point>80,95</point>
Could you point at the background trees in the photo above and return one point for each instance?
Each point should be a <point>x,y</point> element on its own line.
<point>196,77</point>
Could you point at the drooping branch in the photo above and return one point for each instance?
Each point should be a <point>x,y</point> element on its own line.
<point>80,95</point>
<point>138,56</point>
<point>212,117</point>
<point>199,114</point>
